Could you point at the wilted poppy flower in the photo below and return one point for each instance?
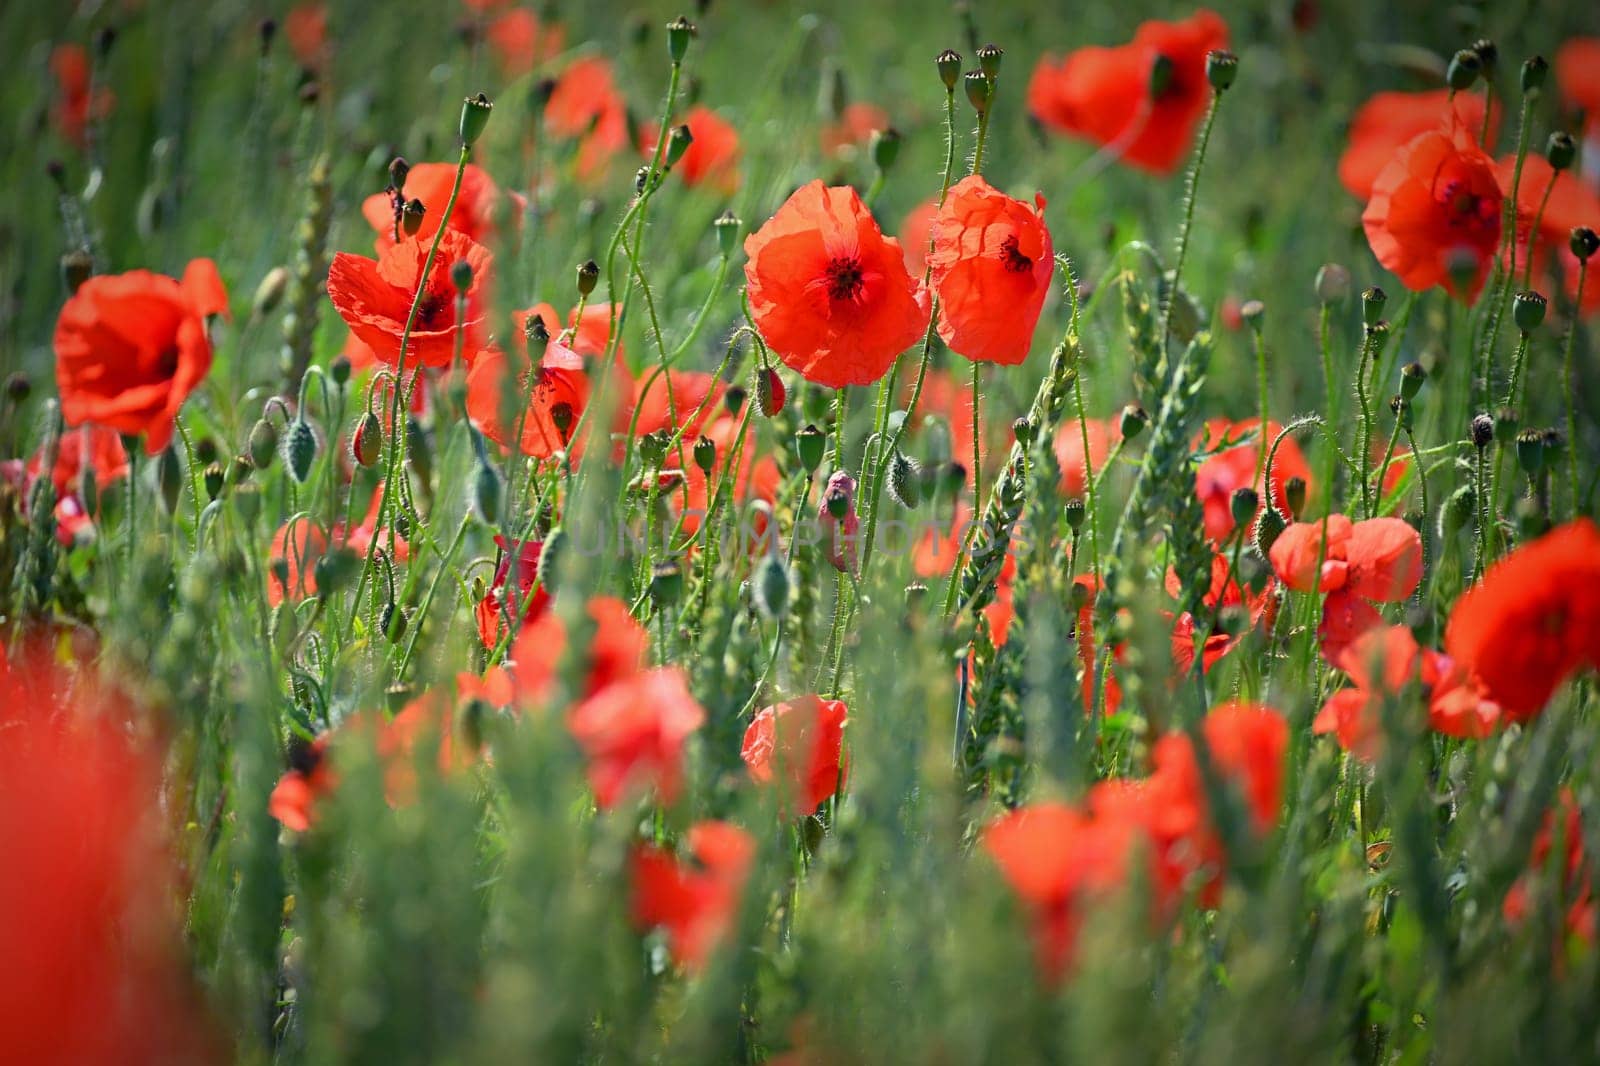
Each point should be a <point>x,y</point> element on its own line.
<point>131,347</point>
<point>1117,97</point>
<point>1378,559</point>
<point>633,732</point>
<point>490,611</point>
<point>306,27</point>
<point>854,127</point>
<point>585,104</point>
<point>829,292</point>
<point>840,531</point>
<point>803,741</point>
<point>374,298</point>
<point>76,101</point>
<point>991,266</point>
<point>474,215</point>
<point>1243,466</point>
<point>1434,215</point>
<point>1388,121</point>
<point>521,42</point>
<point>713,154</point>
<point>616,650</point>
<point>556,390</point>
<point>1102,434</point>
<point>1575,889</point>
<point>696,902</point>
<point>1225,591</point>
<point>1533,621</point>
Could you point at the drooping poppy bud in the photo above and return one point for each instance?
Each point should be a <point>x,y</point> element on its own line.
<point>770,393</point>
<point>299,450</point>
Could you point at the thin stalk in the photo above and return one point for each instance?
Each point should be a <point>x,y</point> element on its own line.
<point>1572,417</point>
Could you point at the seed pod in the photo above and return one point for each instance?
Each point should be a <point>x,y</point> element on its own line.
<point>678,142</point>
<point>1560,150</point>
<point>1022,430</point>
<point>979,90</point>
<point>1222,67</point>
<point>299,450</point>
<point>1333,284</point>
<point>905,481</point>
<point>1527,310</point>
<point>263,443</point>
<point>1535,70</point>
<point>1294,494</point>
<point>666,583</point>
<point>809,444</point>
<point>214,479</point>
<point>1530,452</point>
<point>392,623</point>
<point>1372,304</point>
<point>588,277</point>
<point>727,227</point>
<point>247,501</point>
<point>1584,242</point>
<point>948,63</point>
<point>1133,421</point>
<point>77,267</point>
<point>339,370</point>
<point>705,455</point>
<point>411,216</point>
<point>475,112</point>
<point>885,148</point>
<point>989,57</point>
<point>461,276</point>
<point>679,32</point>
<point>366,443</point>
<point>1075,512</point>
<point>1412,375</point>
<point>1506,423</point>
<point>1463,70</point>
<point>269,293</point>
<point>1243,504</point>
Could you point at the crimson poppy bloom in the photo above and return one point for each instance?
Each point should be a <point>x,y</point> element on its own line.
<point>1434,215</point>
<point>829,292</point>
<point>1533,621</point>
<point>991,265</point>
<point>521,42</point>
<point>1378,559</point>
<point>617,649</point>
<point>130,348</point>
<point>490,611</point>
<point>303,786</point>
<point>1243,466</point>
<point>803,740</point>
<point>77,102</point>
<point>1225,591</point>
<point>1388,121</point>
<point>664,402</point>
<point>585,105</point>
<point>1102,434</point>
<point>557,392</point>
<point>477,207</point>
<point>374,298</point>
<point>696,902</point>
<point>712,157</point>
<point>1575,890</point>
<point>633,732</point>
<point>299,545</point>
<point>1117,97</point>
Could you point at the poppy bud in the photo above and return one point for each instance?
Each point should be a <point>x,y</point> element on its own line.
<point>733,399</point>
<point>263,444</point>
<point>169,474</point>
<point>393,623</point>
<point>399,169</point>
<point>1269,527</point>
<point>486,494</point>
<point>1134,419</point>
<point>537,336</point>
<point>461,276</point>
<point>837,502</point>
<point>1527,310</point>
<point>1333,284</point>
<point>1253,312</point>
<point>1458,510</point>
<point>213,477</point>
<point>1560,150</point>
<point>1482,431</point>
<point>1294,495</point>
<point>77,266</point>
<point>279,568</point>
<point>1401,407</point>
<point>705,455</point>
<point>979,89</point>
<point>727,227</point>
<point>1530,452</point>
<point>1488,54</point>
<point>1075,512</point>
<point>411,217</point>
<point>770,392</point>
<point>666,583</point>
<point>1160,76</point>
<point>18,388</point>
<point>905,481</point>
<point>266,29</point>
<point>299,449</point>
<point>1505,425</point>
<point>949,65</point>
<point>1022,430</point>
<point>653,448</point>
<point>588,276</point>
<point>1221,68</point>
<point>550,556</point>
<point>679,31</point>
<point>678,142</point>
<point>809,444</point>
<point>771,586</point>
<point>1372,303</point>
<point>1534,72</point>
<point>247,501</point>
<point>1411,378</point>
<point>334,570</point>
<point>1243,504</point>
<point>989,60</point>
<point>885,147</point>
<point>1584,243</point>
<point>339,370</point>
<point>1463,70</point>
<point>475,111</point>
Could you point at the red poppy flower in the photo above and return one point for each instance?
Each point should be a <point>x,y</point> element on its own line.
<point>77,103</point>
<point>1243,466</point>
<point>1083,635</point>
<point>306,27</point>
<point>1378,559</point>
<point>854,127</point>
<point>663,402</point>
<point>948,397</point>
<point>1105,95</point>
<point>1571,204</point>
<point>1075,470</point>
<point>713,153</point>
<point>633,732</point>
<point>916,235</point>
<point>521,42</point>
<point>1577,66</point>
<point>475,214</point>
<point>1533,621</point>
<point>840,533</point>
<point>299,545</point>
<point>309,779</point>
<point>490,611</point>
<point>556,395</point>
<point>131,347</point>
<point>92,448</point>
<point>756,478</point>
<point>1434,215</point>
<point>991,265</point>
<point>803,740</point>
<point>585,104</point>
<point>1575,890</point>
<point>589,335</point>
<point>1225,591</point>
<point>374,298</point>
<point>829,292</point>
<point>617,649</point>
<point>697,903</point>
<point>1388,121</point>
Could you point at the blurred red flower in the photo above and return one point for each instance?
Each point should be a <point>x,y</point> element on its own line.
<point>374,298</point>
<point>475,213</point>
<point>96,449</point>
<point>829,292</point>
<point>1102,434</point>
<point>853,128</point>
<point>633,732</point>
<point>1243,466</point>
<point>490,611</point>
<point>1577,66</point>
<point>1576,888</point>
<point>521,42</point>
<point>1388,121</point>
<point>77,102</point>
<point>803,741</point>
<point>916,235</point>
<point>1378,559</point>
<point>1224,591</point>
<point>696,902</point>
<point>712,157</point>
<point>617,649</point>
<point>557,391</point>
<point>585,105</point>
<point>306,27</point>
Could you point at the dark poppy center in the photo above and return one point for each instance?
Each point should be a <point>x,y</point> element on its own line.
<point>1463,207</point>
<point>844,278</point>
<point>1010,255</point>
<point>167,361</point>
<point>433,305</point>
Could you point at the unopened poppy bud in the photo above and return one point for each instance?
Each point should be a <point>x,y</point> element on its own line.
<point>1505,425</point>
<point>653,448</point>
<point>588,277</point>
<point>1530,452</point>
<point>18,388</point>
<point>733,399</point>
<point>770,393</point>
<point>461,276</point>
<point>340,369</point>
<point>666,583</point>
<point>1075,512</point>
<point>1221,68</point>
<point>1463,70</point>
<point>169,474</point>
<point>1243,504</point>
<point>299,450</point>
<point>1412,375</point>
<point>1294,495</point>
<point>948,63</point>
<point>214,477</point>
<point>263,443</point>
<point>705,455</point>
<point>1161,70</point>
<point>1022,430</point>
<point>1401,408</point>
<point>393,623</point>
<point>1269,527</point>
<point>247,501</point>
<point>809,444</point>
<point>771,586</point>
<point>905,481</point>
<point>411,217</point>
<point>486,493</point>
<point>1584,242</point>
<point>885,147</point>
<point>1333,284</point>
<point>1459,508</point>
<point>475,111</point>
<point>1560,150</point>
<point>1254,314</point>
<point>1134,419</point>
<point>837,502</point>
<point>1482,430</point>
<point>679,32</point>
<point>77,266</point>
<point>334,570</point>
<point>278,566</point>
<point>1372,304</point>
<point>1527,310</point>
<point>678,142</point>
<point>989,60</point>
<point>1535,70</point>
<point>979,89</point>
<point>727,227</point>
<point>399,170</point>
